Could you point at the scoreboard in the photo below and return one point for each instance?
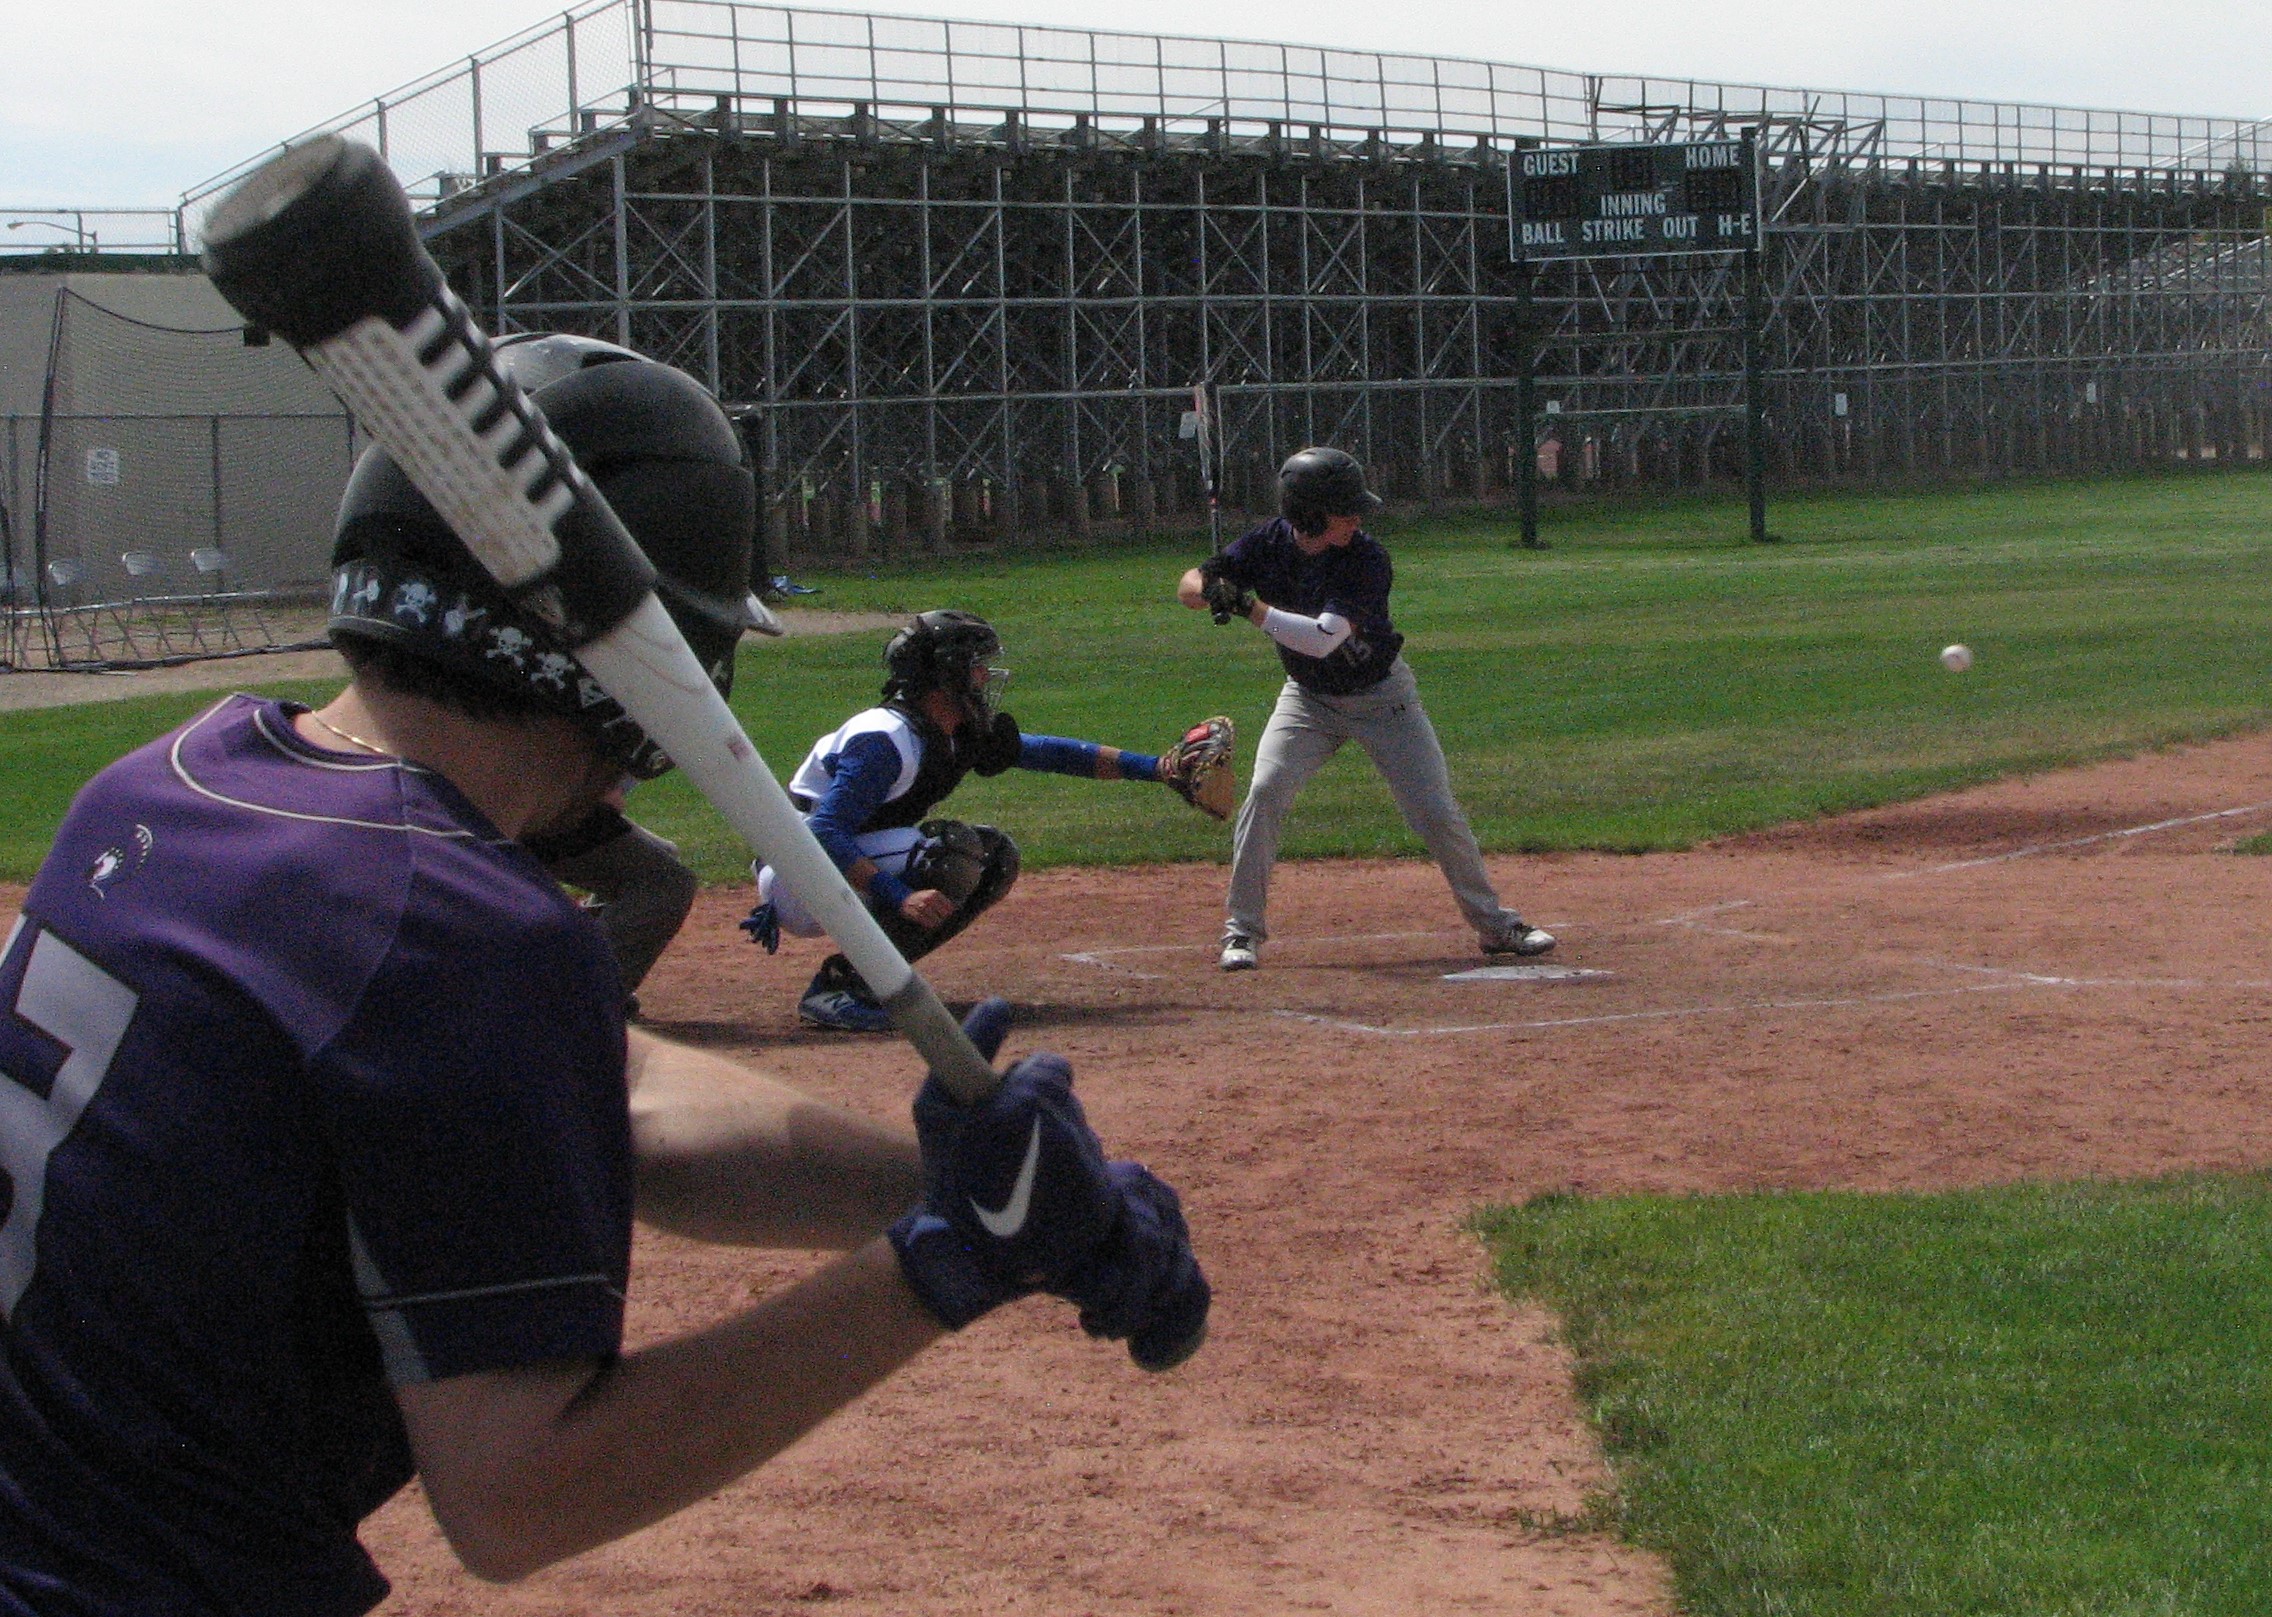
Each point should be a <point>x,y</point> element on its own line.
<point>1630,200</point>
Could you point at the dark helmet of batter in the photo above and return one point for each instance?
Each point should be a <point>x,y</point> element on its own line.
<point>937,652</point>
<point>1317,483</point>
<point>670,463</point>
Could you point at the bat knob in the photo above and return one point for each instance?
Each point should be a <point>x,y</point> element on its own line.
<point>316,239</point>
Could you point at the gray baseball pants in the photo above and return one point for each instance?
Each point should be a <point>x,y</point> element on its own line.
<point>641,893</point>
<point>1306,728</point>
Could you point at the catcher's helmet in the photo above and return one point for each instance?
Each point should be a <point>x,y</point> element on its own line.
<point>669,462</point>
<point>1318,482</point>
<point>937,652</point>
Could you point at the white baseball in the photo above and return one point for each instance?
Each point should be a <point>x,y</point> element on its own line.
<point>1956,659</point>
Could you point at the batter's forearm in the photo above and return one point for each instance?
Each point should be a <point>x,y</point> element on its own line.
<point>1320,636</point>
<point>728,1154</point>
<point>525,1468</point>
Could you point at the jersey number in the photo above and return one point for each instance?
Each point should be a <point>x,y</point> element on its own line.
<point>85,1009</point>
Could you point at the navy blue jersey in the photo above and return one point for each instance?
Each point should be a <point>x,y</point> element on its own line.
<point>311,1085</point>
<point>1352,580</point>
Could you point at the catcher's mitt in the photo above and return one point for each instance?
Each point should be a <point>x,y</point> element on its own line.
<point>1198,767</point>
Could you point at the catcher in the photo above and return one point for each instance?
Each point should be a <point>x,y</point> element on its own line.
<point>870,788</point>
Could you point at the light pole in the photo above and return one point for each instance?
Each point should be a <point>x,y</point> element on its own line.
<point>81,238</point>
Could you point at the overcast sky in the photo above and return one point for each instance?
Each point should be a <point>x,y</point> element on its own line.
<point>130,102</point>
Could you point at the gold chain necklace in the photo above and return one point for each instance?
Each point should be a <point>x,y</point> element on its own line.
<point>349,736</point>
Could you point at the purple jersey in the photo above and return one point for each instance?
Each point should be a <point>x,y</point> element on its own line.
<point>311,1084</point>
<point>1352,580</point>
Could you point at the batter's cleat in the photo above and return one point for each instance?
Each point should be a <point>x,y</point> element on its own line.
<point>1238,952</point>
<point>1518,938</point>
<point>842,1011</point>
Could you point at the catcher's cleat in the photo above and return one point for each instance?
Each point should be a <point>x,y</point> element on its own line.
<point>841,1011</point>
<point>1238,952</point>
<point>1518,938</point>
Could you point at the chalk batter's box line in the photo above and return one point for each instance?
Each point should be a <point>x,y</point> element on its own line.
<point>2045,980</point>
<point>1097,957</point>
<point>2082,842</point>
<point>1695,919</point>
<point>2012,982</point>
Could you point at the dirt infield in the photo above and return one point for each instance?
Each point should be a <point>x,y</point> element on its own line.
<point>2057,977</point>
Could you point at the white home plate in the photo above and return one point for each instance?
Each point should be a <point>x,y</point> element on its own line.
<point>1523,974</point>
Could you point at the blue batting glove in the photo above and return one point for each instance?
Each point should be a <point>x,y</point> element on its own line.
<point>1144,1285</point>
<point>1019,1198</point>
<point>1015,1192</point>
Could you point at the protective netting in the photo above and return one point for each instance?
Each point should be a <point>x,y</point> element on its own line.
<point>177,486</point>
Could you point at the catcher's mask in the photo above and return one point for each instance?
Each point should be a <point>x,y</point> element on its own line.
<point>669,462</point>
<point>939,652</point>
<point>1318,483</point>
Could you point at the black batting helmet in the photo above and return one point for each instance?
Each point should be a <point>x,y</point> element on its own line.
<point>937,651</point>
<point>657,445</point>
<point>1319,482</point>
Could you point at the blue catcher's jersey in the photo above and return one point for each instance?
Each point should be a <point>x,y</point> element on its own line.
<point>311,1085</point>
<point>929,766</point>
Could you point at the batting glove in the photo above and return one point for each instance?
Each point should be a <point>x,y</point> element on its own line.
<point>1019,1198</point>
<point>1144,1285</point>
<point>1226,600</point>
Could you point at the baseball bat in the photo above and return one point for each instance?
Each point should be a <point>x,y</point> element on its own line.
<point>318,246</point>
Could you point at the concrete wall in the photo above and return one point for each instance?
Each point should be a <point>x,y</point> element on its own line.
<point>169,435</point>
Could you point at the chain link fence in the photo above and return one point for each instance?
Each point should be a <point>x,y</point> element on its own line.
<point>174,487</point>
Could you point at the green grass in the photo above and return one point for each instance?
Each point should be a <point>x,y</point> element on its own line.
<point>47,754</point>
<point>1648,681</point>
<point>2023,1401</point>
<point>2028,1400</point>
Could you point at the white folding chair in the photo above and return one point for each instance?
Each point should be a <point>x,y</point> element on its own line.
<point>221,602</point>
<point>146,602</point>
<point>72,619</point>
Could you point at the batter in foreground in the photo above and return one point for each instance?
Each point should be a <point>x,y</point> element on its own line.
<point>323,1134</point>
<point>1315,582</point>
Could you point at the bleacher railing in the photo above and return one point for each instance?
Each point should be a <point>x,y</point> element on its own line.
<point>609,64</point>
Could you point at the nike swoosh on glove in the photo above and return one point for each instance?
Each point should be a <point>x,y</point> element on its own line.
<point>1019,1198</point>
<point>1015,1190</point>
